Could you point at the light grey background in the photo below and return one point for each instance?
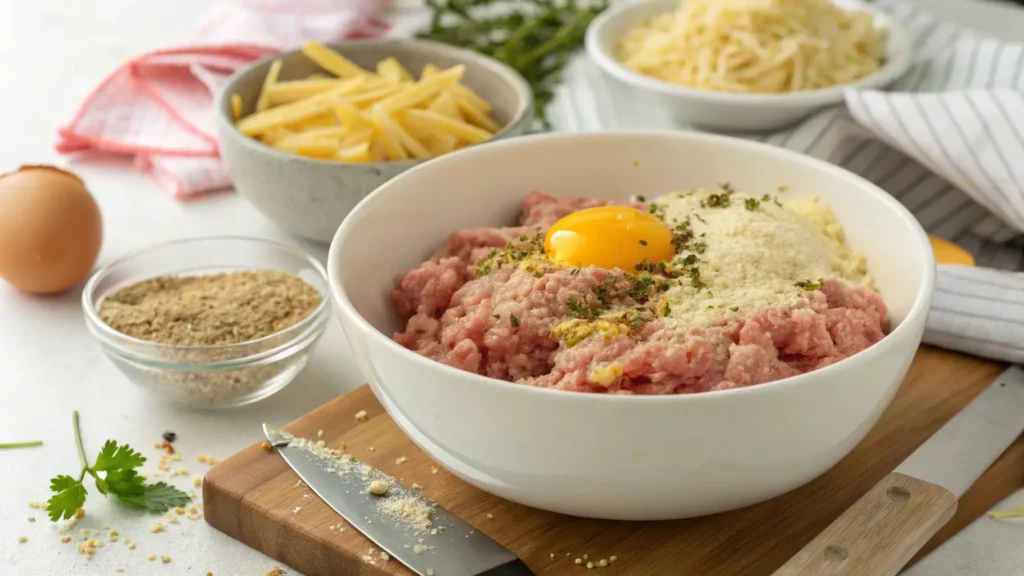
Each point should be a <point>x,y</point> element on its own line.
<point>54,52</point>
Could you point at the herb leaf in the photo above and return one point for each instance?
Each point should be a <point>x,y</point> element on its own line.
<point>117,457</point>
<point>68,498</point>
<point>157,497</point>
<point>536,37</point>
<point>810,285</point>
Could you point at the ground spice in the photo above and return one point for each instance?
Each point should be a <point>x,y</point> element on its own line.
<point>210,310</point>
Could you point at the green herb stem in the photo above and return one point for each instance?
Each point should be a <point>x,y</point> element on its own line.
<point>32,444</point>
<point>78,442</point>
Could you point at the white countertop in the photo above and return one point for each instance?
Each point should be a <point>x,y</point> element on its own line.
<point>53,52</point>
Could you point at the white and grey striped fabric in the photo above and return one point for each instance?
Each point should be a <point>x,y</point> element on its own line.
<point>947,140</point>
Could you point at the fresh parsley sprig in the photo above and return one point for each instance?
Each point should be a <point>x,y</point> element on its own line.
<point>115,474</point>
<point>536,37</point>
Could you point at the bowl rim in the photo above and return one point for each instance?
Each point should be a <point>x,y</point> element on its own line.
<point>919,309</point>
<point>302,330</point>
<point>515,82</point>
<point>899,56</point>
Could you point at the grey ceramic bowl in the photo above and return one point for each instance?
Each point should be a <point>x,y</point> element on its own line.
<point>309,198</point>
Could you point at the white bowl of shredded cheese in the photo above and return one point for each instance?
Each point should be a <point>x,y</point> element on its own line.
<point>748,64</point>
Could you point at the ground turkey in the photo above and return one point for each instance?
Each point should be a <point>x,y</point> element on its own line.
<point>501,324</point>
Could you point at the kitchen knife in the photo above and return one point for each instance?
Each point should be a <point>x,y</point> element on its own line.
<point>449,548</point>
<point>883,530</point>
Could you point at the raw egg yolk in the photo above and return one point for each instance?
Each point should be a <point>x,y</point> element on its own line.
<point>609,237</point>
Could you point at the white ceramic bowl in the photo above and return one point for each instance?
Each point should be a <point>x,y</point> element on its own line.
<point>622,457</point>
<point>729,111</point>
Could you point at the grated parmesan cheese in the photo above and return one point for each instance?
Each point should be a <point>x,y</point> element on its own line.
<point>752,253</point>
<point>760,46</point>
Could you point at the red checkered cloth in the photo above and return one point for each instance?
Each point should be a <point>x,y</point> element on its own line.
<point>158,107</point>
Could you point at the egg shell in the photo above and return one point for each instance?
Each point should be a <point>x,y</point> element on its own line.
<point>50,229</point>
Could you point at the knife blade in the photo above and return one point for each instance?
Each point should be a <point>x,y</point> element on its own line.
<point>450,547</point>
<point>883,530</point>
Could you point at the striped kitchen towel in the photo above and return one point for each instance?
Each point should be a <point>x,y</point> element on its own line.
<point>947,141</point>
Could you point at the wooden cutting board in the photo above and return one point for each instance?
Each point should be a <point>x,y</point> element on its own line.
<point>252,496</point>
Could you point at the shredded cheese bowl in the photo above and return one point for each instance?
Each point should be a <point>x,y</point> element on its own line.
<point>534,444</point>
<point>304,156</point>
<point>747,64</point>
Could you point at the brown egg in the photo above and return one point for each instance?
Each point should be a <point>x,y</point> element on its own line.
<point>50,229</point>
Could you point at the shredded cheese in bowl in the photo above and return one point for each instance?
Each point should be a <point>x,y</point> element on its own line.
<point>755,46</point>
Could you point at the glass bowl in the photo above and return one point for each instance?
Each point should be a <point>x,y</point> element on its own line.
<point>209,376</point>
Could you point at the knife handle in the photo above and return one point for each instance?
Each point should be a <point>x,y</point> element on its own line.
<point>880,533</point>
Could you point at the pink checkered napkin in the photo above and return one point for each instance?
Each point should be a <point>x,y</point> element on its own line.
<point>158,107</point>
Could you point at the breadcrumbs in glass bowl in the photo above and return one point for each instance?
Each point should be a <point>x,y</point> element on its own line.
<point>209,322</point>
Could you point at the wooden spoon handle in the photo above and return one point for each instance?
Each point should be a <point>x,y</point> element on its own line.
<point>879,534</point>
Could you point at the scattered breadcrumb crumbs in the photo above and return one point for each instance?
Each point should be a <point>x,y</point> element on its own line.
<point>421,548</point>
<point>378,487</point>
<point>552,555</point>
<point>319,433</point>
<point>65,539</point>
<point>131,546</point>
<point>430,572</point>
<point>400,460</point>
<point>197,482</point>
<point>37,504</point>
<point>207,459</point>
<point>151,558</point>
<point>372,449</point>
<point>602,563</point>
<point>296,509</point>
<point>361,416</point>
<point>491,517</point>
<point>433,469</point>
<point>266,446</point>
<point>590,565</point>
<point>114,534</point>
<point>276,571</point>
<point>165,559</point>
<point>172,519</point>
<point>80,512</point>
<point>613,558</point>
<point>416,486</point>
<point>158,527</point>
<point>31,518</point>
<point>578,561</point>
<point>22,539</point>
<point>120,570</point>
<point>179,509</point>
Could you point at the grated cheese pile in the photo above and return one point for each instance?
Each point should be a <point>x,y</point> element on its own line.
<point>753,252</point>
<point>759,46</point>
